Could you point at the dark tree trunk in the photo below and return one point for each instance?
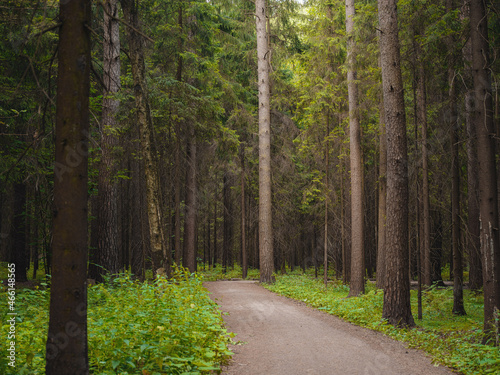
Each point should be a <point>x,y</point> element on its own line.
<point>458,271</point>
<point>382,201</point>
<point>107,254</point>
<point>396,308</point>
<point>160,258</point>
<point>488,198</point>
<point>19,252</point>
<point>66,350</point>
<point>6,224</point>
<point>244,255</point>
<point>189,258</point>
<point>473,224</point>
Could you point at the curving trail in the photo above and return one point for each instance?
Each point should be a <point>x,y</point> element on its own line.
<point>284,337</point>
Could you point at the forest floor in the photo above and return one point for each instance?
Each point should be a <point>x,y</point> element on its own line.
<point>279,336</point>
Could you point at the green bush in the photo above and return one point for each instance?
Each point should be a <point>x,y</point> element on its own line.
<point>164,327</point>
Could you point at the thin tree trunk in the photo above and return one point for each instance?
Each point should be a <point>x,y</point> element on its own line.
<point>189,259</point>
<point>382,200</point>
<point>66,347</point>
<point>473,224</point>
<point>107,257</point>
<point>244,255</point>
<point>425,250</point>
<point>458,294</point>
<point>357,285</point>
<point>178,142</point>
<point>146,130</point>
<point>458,271</point>
<point>265,215</point>
<point>396,308</point>
<point>488,202</point>
<point>327,166</point>
<point>19,252</point>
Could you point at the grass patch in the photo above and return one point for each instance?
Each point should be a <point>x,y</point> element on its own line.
<point>450,340</point>
<point>151,328</point>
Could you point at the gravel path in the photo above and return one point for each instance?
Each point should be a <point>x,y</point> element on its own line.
<point>280,336</point>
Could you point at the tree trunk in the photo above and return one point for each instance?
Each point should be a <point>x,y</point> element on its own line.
<point>488,202</point>
<point>244,255</point>
<point>19,252</point>
<point>382,201</point>
<point>178,143</point>
<point>473,225</point>
<point>177,193</point>
<point>227,241</point>
<point>265,215</point>
<point>66,347</point>
<point>159,254</point>
<point>189,258</point>
<point>107,254</point>
<point>327,196</point>
<point>396,308</point>
<point>425,249</point>
<point>357,285</point>
<point>458,271</point>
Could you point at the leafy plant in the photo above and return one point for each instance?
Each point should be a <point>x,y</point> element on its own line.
<point>162,327</point>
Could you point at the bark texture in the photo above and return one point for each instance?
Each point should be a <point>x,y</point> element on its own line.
<point>189,259</point>
<point>396,308</point>
<point>473,229</point>
<point>488,198</point>
<point>107,257</point>
<point>146,132</point>
<point>382,201</point>
<point>357,285</point>
<point>66,347</point>
<point>265,215</point>
<point>425,250</point>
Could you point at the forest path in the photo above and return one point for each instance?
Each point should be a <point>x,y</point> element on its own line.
<point>284,337</point>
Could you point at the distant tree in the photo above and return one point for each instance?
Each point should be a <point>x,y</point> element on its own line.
<point>397,309</point>
<point>66,348</point>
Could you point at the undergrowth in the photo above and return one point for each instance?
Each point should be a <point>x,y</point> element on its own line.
<point>151,328</point>
<point>217,273</point>
<point>454,341</point>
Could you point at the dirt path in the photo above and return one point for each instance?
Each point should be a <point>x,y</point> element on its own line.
<point>284,337</point>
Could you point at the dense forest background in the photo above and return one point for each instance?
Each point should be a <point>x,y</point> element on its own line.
<point>192,147</point>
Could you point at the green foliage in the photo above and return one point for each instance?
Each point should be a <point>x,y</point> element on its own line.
<point>217,273</point>
<point>454,341</point>
<point>164,327</point>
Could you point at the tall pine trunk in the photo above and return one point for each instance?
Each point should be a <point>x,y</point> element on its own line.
<point>66,347</point>
<point>357,285</point>
<point>473,227</point>
<point>107,257</point>
<point>189,258</point>
<point>488,198</point>
<point>265,215</point>
<point>396,307</point>
<point>146,132</point>
<point>382,200</point>
<point>425,249</point>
